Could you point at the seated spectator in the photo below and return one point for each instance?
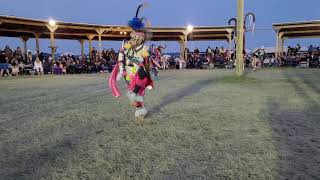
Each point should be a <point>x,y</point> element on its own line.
<point>63,67</point>
<point>216,51</point>
<point>15,67</point>
<point>314,61</point>
<point>266,62</point>
<point>196,51</point>
<point>38,67</point>
<point>4,66</point>
<point>208,51</point>
<point>256,64</point>
<point>274,62</point>
<point>71,68</point>
<point>198,62</point>
<point>78,66</point>
<point>47,66</point>
<point>222,50</point>
<point>304,62</point>
<point>18,54</point>
<point>57,68</point>
<point>29,57</point>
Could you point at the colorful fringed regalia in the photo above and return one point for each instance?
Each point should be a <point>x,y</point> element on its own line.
<point>133,66</point>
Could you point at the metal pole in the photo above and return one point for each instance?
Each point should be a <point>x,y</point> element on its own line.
<point>240,33</point>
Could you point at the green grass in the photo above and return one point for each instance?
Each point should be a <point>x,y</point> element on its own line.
<point>205,124</point>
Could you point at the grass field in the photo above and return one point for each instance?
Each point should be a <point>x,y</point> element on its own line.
<point>204,124</point>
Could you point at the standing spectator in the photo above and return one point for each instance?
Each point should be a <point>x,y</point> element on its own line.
<point>93,54</point>
<point>38,67</point>
<point>8,52</point>
<point>182,62</point>
<point>4,66</point>
<point>310,49</point>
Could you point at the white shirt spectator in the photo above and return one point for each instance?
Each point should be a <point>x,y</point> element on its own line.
<point>266,61</point>
<point>38,67</point>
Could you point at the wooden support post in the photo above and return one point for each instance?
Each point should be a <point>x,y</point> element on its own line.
<point>37,36</point>
<point>184,39</point>
<point>230,42</point>
<point>282,44</point>
<point>52,47</point>
<point>182,48</point>
<point>90,37</point>
<point>82,47</point>
<point>277,45</point>
<point>24,39</point>
<point>185,46</point>
<point>100,31</point>
<point>240,33</point>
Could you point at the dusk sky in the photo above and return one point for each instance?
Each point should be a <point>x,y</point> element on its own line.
<point>163,13</point>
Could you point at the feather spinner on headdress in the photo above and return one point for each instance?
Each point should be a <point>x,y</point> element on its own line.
<point>136,23</point>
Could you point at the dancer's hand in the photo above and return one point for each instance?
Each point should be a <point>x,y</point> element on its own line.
<point>120,71</point>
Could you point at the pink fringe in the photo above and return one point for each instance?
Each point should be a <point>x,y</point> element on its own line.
<point>113,82</point>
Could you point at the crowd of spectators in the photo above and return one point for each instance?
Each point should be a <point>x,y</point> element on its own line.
<point>222,58</point>
<point>211,58</point>
<point>16,62</point>
<point>294,57</point>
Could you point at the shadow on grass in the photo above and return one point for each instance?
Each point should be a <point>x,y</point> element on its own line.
<point>174,97</point>
<point>195,88</point>
<point>36,162</point>
<point>296,132</point>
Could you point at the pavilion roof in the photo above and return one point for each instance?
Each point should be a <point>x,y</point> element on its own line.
<point>303,29</point>
<point>11,26</point>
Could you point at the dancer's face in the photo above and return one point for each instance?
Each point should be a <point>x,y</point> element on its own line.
<point>136,40</point>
